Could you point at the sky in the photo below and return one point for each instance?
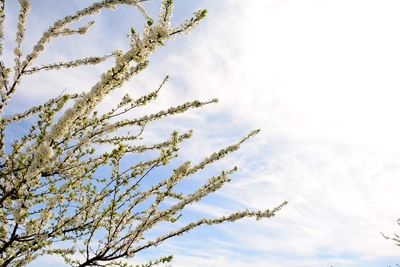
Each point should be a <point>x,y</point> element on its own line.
<point>319,77</point>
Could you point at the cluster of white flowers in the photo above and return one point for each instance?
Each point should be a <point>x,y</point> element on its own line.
<point>25,8</point>
<point>126,99</point>
<point>42,158</point>
<point>19,212</point>
<point>2,16</point>
<point>70,64</point>
<point>81,30</point>
<point>5,72</point>
<point>3,225</point>
<point>109,81</point>
<point>231,218</point>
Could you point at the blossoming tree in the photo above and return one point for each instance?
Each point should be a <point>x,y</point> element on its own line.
<point>54,198</point>
<point>395,237</point>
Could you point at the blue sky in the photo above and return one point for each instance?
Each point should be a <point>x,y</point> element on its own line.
<point>319,77</point>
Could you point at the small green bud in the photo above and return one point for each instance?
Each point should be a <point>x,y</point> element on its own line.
<point>202,13</point>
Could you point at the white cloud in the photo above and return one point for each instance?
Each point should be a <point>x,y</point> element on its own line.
<point>320,78</point>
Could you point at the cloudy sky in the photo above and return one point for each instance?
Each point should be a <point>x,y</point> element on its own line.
<point>319,77</point>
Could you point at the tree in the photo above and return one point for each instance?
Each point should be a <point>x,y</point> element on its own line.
<point>53,183</point>
<point>395,237</point>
